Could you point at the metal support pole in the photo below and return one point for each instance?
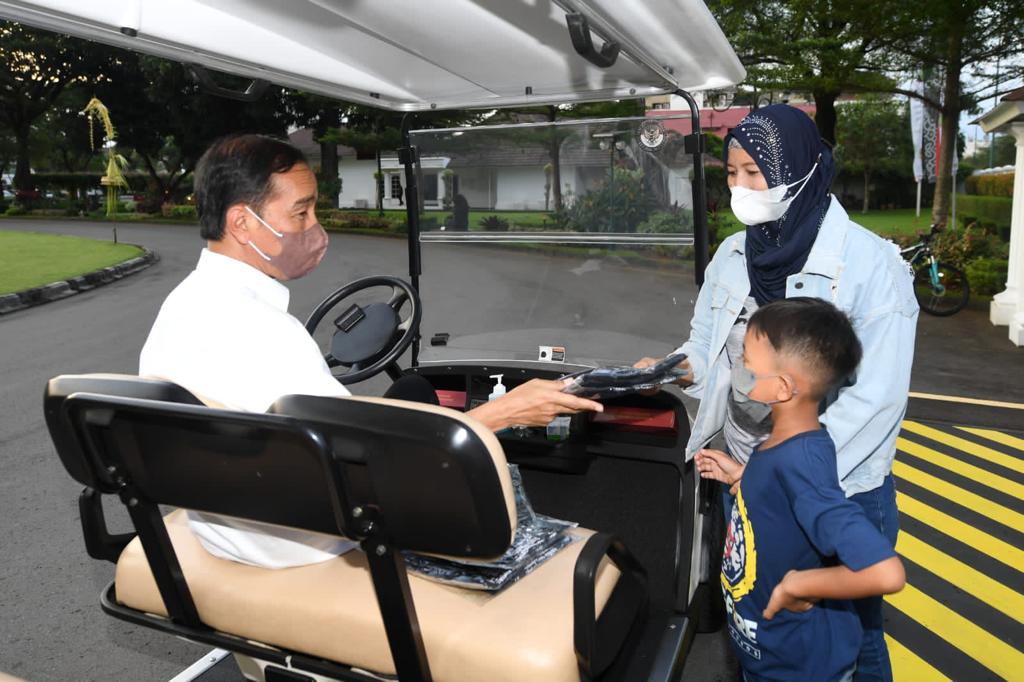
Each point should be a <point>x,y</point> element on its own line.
<point>409,158</point>
<point>700,208</point>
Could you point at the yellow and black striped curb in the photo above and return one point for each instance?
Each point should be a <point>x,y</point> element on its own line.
<point>960,493</point>
<point>55,291</point>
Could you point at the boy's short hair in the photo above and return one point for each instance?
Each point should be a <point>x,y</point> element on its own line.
<point>815,333</point>
<point>238,169</point>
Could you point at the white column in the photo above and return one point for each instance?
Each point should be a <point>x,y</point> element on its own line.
<point>1008,306</point>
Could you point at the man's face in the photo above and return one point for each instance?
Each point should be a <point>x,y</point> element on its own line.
<point>290,208</point>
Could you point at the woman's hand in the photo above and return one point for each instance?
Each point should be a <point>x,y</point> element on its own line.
<point>783,597</point>
<point>684,380</point>
<point>718,466</point>
<point>534,403</point>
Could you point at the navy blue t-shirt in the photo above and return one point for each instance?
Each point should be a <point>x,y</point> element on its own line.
<point>790,513</point>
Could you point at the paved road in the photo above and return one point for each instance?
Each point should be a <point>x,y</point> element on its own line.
<point>52,629</point>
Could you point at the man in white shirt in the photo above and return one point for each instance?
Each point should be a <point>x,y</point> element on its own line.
<point>225,333</point>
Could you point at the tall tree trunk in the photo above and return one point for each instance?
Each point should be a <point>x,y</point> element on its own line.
<point>23,167</point>
<point>867,190</point>
<point>329,169</point>
<point>825,114</point>
<point>950,124</point>
<point>378,183</point>
<point>554,149</point>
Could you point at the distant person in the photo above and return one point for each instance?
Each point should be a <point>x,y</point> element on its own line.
<point>800,242</point>
<point>796,550</point>
<point>460,213</point>
<point>225,333</point>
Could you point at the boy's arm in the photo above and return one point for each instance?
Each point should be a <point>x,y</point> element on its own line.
<point>799,590</point>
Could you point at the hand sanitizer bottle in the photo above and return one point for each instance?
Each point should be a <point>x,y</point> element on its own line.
<point>499,388</point>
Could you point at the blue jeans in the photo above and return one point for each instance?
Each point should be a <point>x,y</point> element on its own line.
<point>873,662</point>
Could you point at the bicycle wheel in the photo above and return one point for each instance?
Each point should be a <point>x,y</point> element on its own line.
<point>949,297</point>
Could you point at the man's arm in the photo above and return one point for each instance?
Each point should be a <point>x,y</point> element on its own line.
<point>534,403</point>
<point>799,590</point>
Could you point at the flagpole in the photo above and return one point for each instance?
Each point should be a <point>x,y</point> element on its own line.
<point>918,198</point>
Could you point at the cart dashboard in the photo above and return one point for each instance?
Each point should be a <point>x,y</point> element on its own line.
<point>653,428</point>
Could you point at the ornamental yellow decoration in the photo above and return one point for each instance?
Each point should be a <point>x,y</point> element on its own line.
<point>113,179</point>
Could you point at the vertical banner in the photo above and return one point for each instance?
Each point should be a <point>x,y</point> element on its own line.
<point>917,130</point>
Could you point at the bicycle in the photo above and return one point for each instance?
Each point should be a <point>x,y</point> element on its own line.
<point>940,289</point>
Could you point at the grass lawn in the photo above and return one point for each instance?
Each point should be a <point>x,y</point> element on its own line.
<point>29,259</point>
<point>896,222</point>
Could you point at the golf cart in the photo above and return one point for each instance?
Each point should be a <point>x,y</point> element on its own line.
<point>578,244</point>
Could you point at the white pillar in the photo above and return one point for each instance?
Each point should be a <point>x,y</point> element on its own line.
<point>1008,306</point>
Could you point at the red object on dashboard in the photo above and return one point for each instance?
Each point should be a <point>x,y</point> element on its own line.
<point>456,399</point>
<point>642,418</point>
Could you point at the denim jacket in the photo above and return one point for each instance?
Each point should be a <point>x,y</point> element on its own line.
<point>864,276</point>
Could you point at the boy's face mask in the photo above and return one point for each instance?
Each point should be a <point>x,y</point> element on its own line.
<point>757,206</point>
<point>300,251</point>
<point>743,382</point>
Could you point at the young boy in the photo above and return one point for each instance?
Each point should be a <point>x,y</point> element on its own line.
<point>796,550</point>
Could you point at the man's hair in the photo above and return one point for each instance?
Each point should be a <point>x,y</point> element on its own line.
<point>814,333</point>
<point>238,169</point>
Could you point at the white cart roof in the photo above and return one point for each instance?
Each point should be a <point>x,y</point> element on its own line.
<point>415,54</point>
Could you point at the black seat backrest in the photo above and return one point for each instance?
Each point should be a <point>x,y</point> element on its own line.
<point>421,464</point>
<point>286,471</point>
<point>78,463</point>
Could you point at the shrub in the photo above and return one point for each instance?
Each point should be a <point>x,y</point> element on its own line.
<point>16,210</point>
<point>990,212</point>
<point>716,186</point>
<point>990,185</point>
<point>675,221</point>
<point>987,276</point>
<point>959,247</point>
<point>493,223</point>
<point>149,203</point>
<point>179,211</point>
<point>620,205</point>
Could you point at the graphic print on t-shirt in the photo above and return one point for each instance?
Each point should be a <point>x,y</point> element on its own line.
<point>739,572</point>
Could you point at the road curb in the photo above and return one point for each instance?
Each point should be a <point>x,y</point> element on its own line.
<point>55,291</point>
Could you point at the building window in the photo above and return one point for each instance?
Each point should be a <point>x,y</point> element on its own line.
<point>396,186</point>
<point>659,105</point>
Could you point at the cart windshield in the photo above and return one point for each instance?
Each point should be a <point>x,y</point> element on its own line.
<point>544,236</point>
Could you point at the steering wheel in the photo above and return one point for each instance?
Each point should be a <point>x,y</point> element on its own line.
<point>368,339</point>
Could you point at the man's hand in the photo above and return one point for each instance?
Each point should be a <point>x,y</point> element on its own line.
<point>534,403</point>
<point>783,598</point>
<point>684,380</point>
<point>719,466</point>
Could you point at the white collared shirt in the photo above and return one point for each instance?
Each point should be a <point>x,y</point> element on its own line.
<point>225,334</point>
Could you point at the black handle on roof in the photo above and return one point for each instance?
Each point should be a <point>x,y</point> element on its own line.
<point>252,92</point>
<point>579,32</point>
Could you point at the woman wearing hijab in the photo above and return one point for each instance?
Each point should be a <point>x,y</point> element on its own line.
<point>799,241</point>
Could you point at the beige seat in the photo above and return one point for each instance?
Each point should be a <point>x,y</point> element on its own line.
<point>329,610</point>
<point>398,476</point>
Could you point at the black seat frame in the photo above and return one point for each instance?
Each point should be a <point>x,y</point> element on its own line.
<point>145,441</point>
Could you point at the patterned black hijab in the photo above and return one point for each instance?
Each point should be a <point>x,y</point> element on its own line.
<point>784,143</point>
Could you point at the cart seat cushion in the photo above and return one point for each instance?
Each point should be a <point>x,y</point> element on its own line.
<point>329,610</point>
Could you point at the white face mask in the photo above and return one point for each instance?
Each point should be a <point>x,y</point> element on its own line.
<point>756,206</point>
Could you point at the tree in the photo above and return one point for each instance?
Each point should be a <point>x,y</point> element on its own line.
<point>962,37</point>
<point>35,68</point>
<point>324,116</point>
<point>873,136</point>
<point>168,120</point>
<point>821,47</point>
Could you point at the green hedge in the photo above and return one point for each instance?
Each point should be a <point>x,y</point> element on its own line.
<point>989,212</point>
<point>995,185</point>
<point>987,276</point>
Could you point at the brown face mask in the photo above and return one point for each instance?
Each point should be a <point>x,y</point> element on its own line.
<point>300,251</point>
